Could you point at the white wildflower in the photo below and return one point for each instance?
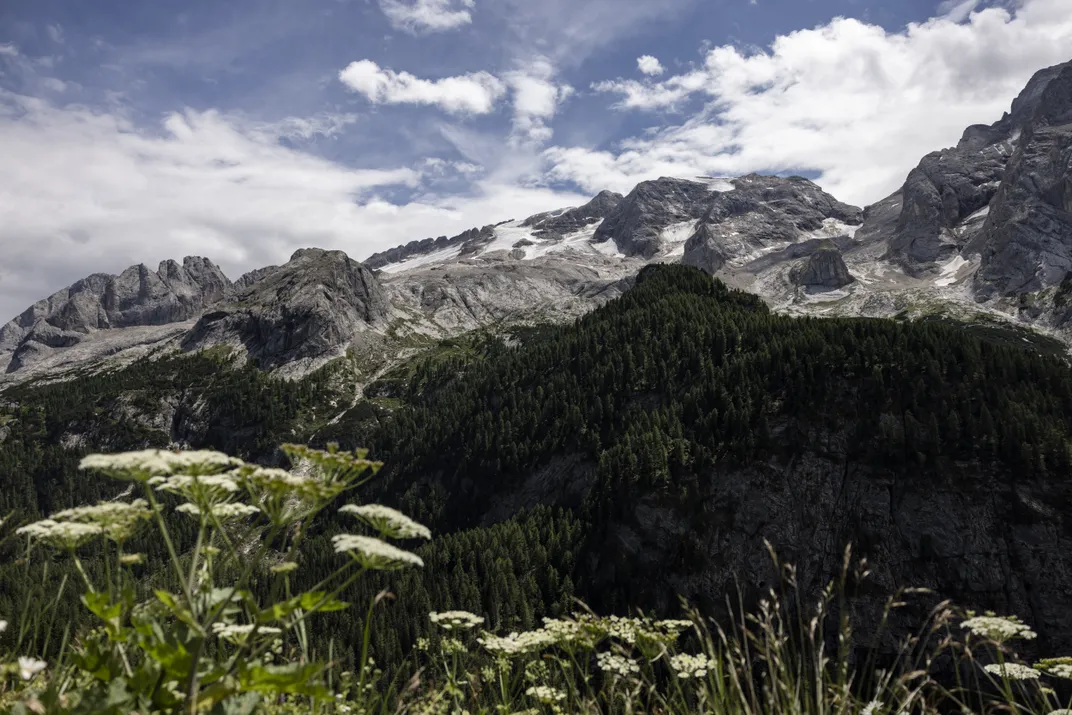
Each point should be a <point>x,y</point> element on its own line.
<point>691,666</point>
<point>389,522</point>
<point>60,534</point>
<point>285,497</point>
<point>1057,667</point>
<point>674,626</point>
<point>1062,711</point>
<point>617,665</point>
<point>142,465</point>
<point>131,559</point>
<point>517,643</point>
<point>453,645</point>
<point>3,626</point>
<point>460,620</point>
<point>546,694</point>
<point>118,520</point>
<point>29,667</point>
<point>284,567</point>
<point>998,628</point>
<point>1013,671</point>
<point>872,708</point>
<point>239,633</point>
<point>373,553</point>
<point>203,490</point>
<point>222,512</point>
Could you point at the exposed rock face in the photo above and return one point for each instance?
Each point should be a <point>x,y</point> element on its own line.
<point>308,310</point>
<point>136,297</point>
<point>469,241</point>
<point>1026,242</point>
<point>636,221</point>
<point>940,209</point>
<point>825,268</point>
<point>571,220</point>
<point>763,211</point>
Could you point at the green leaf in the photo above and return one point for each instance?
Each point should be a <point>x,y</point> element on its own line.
<point>306,602</point>
<point>101,606</point>
<point>292,678</point>
<point>179,611</point>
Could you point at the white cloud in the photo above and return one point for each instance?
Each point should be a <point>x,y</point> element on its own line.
<point>536,99</point>
<point>475,93</point>
<point>325,124</point>
<point>6,48</point>
<point>55,32</point>
<point>420,16</point>
<point>53,84</point>
<point>86,191</point>
<point>849,100</point>
<point>649,65</point>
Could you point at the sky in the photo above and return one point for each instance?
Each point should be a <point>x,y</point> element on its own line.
<point>133,132</point>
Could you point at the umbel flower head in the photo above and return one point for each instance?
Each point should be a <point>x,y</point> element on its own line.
<point>221,512</point>
<point>390,523</point>
<point>285,497</point>
<point>117,520</point>
<point>1057,667</point>
<point>373,553</point>
<point>997,628</point>
<point>455,620</point>
<point>691,666</point>
<point>205,490</point>
<point>334,465</point>
<point>60,534</point>
<point>140,466</point>
<point>240,633</point>
<point>1013,671</point>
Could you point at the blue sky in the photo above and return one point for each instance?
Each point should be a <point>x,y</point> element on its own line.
<point>243,130</point>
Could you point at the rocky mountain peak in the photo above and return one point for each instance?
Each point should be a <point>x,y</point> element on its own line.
<point>635,222</point>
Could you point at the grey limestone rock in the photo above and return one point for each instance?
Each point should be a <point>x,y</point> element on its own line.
<point>561,223</point>
<point>825,268</point>
<point>636,221</point>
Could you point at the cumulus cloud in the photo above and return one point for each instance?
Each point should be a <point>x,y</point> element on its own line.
<point>423,16</point>
<point>849,100</point>
<point>649,65</point>
<point>536,98</point>
<point>475,93</point>
<point>8,49</point>
<point>86,191</point>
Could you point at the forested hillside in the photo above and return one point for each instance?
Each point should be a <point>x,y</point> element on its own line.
<point>644,451</point>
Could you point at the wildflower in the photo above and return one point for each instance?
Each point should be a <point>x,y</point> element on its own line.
<point>422,644</point>
<point>617,665</point>
<point>118,520</point>
<point>1062,711</point>
<point>1013,671</point>
<point>691,666</point>
<point>1057,667</point>
<point>335,466</point>
<point>239,633</point>
<point>516,643</point>
<point>3,626</point>
<point>449,620</point>
<point>373,553</point>
<point>285,497</point>
<point>141,466</point>
<point>205,491</point>
<point>546,694</point>
<point>674,626</point>
<point>998,628</point>
<point>872,708</point>
<point>61,534</point>
<point>285,567</point>
<point>29,667</point>
<point>389,522</point>
<point>131,559</point>
<point>222,512</point>
<point>580,632</point>
<point>453,645</point>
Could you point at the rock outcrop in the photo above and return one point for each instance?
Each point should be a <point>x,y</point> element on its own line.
<point>308,311</point>
<point>137,297</point>
<point>636,222</point>
<point>560,223</point>
<point>825,268</point>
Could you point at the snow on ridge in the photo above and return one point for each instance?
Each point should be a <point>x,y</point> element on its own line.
<point>722,184</point>
<point>441,256</point>
<point>832,228</point>
<point>948,274</point>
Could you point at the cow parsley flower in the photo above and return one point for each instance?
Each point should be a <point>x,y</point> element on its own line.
<point>516,643</point>
<point>389,522</point>
<point>284,567</point>
<point>1057,667</point>
<point>617,665</point>
<point>285,497</point>
<point>60,534</point>
<point>1013,671</point>
<point>205,491</point>
<point>29,667</point>
<point>131,559</point>
<point>118,520</point>
<point>691,666</point>
<point>452,645</point>
<point>3,626</point>
<point>872,708</point>
<point>373,553</point>
<point>546,694</point>
<point>455,620</point>
<point>998,628</point>
<point>240,633</point>
<point>142,465</point>
<point>222,512</point>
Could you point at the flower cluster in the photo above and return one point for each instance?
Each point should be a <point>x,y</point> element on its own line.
<point>617,665</point>
<point>117,520</point>
<point>221,512</point>
<point>240,633</point>
<point>389,522</point>
<point>516,643</point>
<point>455,620</point>
<point>285,497</point>
<point>373,553</point>
<point>141,466</point>
<point>1013,671</point>
<point>997,628</point>
<point>1057,667</point>
<point>546,694</point>
<point>691,666</point>
<point>60,534</point>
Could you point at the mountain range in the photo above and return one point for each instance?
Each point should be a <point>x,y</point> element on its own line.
<point>979,233</point>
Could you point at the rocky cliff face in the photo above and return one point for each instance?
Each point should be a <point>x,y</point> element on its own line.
<point>636,223</point>
<point>557,224</point>
<point>308,311</point>
<point>136,297</point>
<point>825,268</point>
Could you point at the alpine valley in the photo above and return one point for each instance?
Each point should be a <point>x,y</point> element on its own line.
<point>621,402</point>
